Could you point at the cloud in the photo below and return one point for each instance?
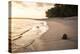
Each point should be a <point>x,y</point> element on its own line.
<point>30,9</point>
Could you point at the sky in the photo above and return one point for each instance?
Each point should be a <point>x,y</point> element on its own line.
<point>25,9</point>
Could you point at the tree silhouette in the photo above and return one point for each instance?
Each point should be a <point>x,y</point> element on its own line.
<point>62,10</point>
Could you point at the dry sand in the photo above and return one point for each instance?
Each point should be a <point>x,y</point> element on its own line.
<point>51,40</point>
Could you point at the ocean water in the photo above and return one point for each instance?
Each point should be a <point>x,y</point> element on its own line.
<point>28,29</point>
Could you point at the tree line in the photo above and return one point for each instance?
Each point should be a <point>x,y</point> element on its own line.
<point>62,10</point>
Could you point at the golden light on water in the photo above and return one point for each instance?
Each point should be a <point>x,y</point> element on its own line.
<point>29,9</point>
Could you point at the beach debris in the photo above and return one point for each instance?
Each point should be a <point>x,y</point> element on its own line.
<point>64,37</point>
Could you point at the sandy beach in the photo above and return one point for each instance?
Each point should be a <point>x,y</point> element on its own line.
<point>52,38</point>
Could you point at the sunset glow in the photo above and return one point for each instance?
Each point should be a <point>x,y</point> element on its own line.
<point>29,10</point>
